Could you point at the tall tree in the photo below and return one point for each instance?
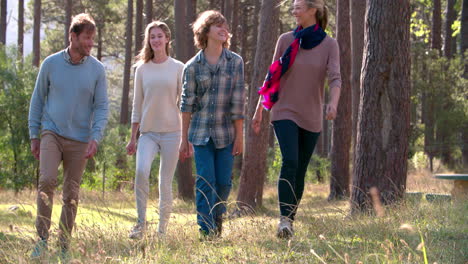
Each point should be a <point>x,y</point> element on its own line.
<point>68,17</point>
<point>450,16</point>
<point>138,26</point>
<point>234,26</point>
<point>20,28</point>
<point>358,12</point>
<point>342,125</point>
<point>148,11</point>
<point>183,11</point>
<point>37,33</point>
<point>191,16</point>
<point>463,48</point>
<point>128,63</point>
<point>254,167</point>
<point>383,126</point>
<point>180,13</point>
<point>3,21</point>
<point>436,32</point>
<point>227,11</point>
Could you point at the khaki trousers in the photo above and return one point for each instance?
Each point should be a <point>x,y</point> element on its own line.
<point>55,149</point>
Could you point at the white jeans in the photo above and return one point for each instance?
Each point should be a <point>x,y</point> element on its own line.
<point>149,144</point>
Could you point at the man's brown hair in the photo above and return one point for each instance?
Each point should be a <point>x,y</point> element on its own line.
<point>82,22</point>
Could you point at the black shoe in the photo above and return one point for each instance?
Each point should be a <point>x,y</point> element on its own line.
<point>219,225</point>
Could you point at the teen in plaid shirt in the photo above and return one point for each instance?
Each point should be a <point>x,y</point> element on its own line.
<point>212,116</point>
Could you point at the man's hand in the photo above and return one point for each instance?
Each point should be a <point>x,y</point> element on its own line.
<point>36,147</point>
<point>92,149</point>
<point>238,146</point>
<point>185,150</point>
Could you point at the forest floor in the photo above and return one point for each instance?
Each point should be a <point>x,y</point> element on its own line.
<point>414,231</point>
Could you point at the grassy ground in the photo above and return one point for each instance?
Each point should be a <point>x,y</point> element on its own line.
<point>324,231</point>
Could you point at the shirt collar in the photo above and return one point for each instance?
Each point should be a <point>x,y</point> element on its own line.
<point>67,57</point>
<point>225,54</point>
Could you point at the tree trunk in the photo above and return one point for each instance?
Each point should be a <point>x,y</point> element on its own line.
<point>148,11</point>
<point>463,48</point>
<point>227,12</point>
<point>254,160</point>
<point>358,12</point>
<point>450,17</point>
<point>342,125</point>
<point>3,21</point>
<point>99,43</point>
<point>436,35</point>
<point>185,180</point>
<point>138,26</point>
<point>234,26</point>
<point>191,16</point>
<point>128,63</point>
<point>37,33</point>
<point>20,28</point>
<point>180,14</point>
<point>68,17</point>
<point>383,126</point>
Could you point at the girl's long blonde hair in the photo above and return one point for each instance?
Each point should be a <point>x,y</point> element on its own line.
<point>146,53</point>
<point>322,12</point>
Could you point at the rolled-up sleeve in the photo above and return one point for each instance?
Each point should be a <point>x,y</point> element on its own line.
<point>38,98</point>
<point>188,102</point>
<point>238,94</point>
<point>100,107</point>
<point>333,66</point>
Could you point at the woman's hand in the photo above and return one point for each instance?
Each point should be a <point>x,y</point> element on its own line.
<point>131,147</point>
<point>238,146</point>
<point>331,112</point>
<point>257,120</point>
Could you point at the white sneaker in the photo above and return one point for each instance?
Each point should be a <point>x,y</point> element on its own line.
<point>285,229</point>
<point>137,231</point>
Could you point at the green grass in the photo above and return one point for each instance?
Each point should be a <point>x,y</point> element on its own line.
<point>324,232</point>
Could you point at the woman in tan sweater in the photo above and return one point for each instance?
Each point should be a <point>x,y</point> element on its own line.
<point>156,115</point>
<point>294,91</point>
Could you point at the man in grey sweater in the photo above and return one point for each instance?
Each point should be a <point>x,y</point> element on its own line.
<point>67,117</point>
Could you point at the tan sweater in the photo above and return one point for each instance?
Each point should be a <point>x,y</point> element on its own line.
<point>156,93</point>
<point>301,93</point>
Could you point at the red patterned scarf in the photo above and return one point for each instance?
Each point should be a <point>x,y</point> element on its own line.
<point>307,38</point>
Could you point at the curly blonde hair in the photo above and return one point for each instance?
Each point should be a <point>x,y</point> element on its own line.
<point>147,53</point>
<point>202,25</point>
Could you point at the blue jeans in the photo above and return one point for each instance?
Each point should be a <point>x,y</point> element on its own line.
<point>213,183</point>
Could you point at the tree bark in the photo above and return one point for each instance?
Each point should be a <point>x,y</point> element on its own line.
<point>191,16</point>
<point>20,28</point>
<point>185,180</point>
<point>358,12</point>
<point>3,21</point>
<point>342,125</point>
<point>463,48</point>
<point>138,26</point>
<point>450,17</point>
<point>383,126</point>
<point>227,12</point>
<point>436,33</point>
<point>68,17</point>
<point>254,160</point>
<point>99,43</point>
<point>180,13</point>
<point>234,26</point>
<point>37,33</point>
<point>148,11</point>
<point>128,63</point>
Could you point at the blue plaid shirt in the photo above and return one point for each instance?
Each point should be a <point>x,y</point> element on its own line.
<point>215,96</point>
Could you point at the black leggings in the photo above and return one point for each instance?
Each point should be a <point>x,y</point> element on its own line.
<point>296,145</point>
